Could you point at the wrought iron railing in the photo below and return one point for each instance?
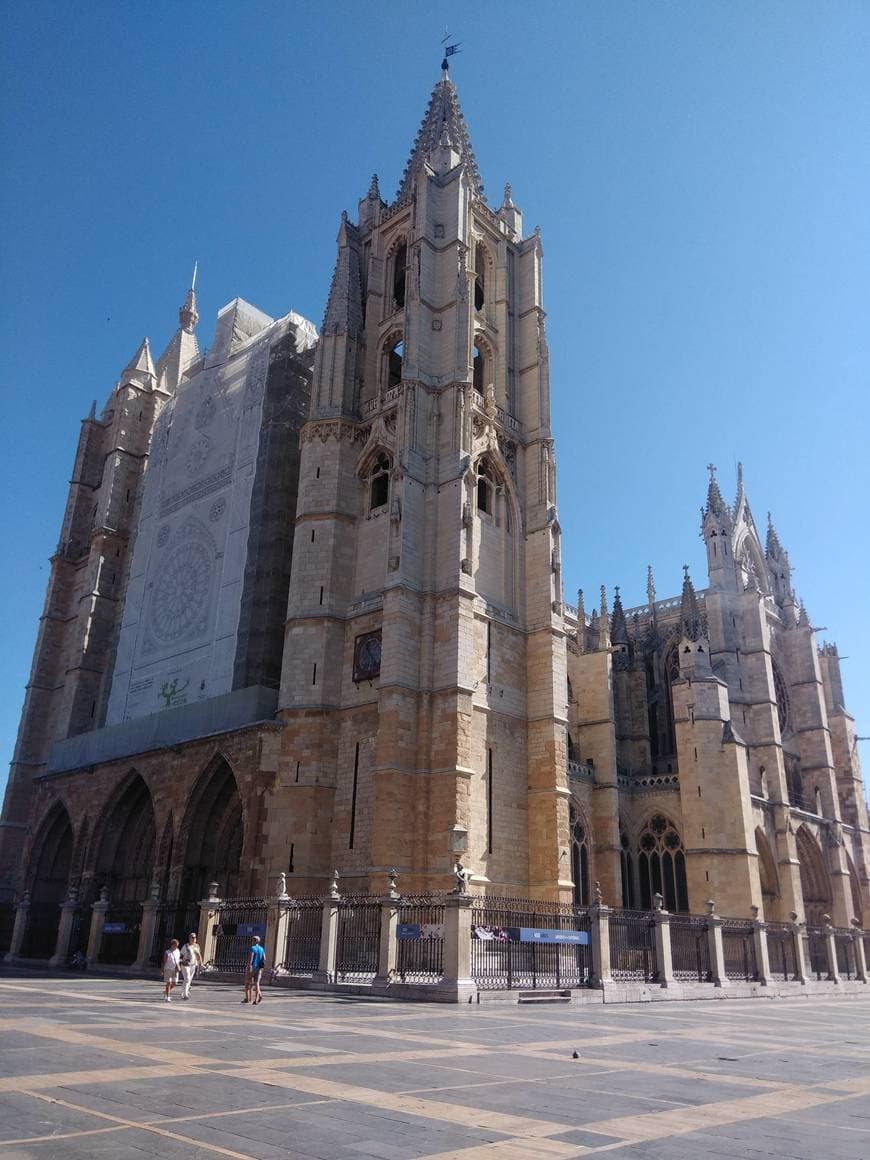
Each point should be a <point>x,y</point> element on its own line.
<point>358,941</point>
<point>738,949</point>
<point>240,920</point>
<point>302,948</point>
<point>846,967</point>
<point>529,945</point>
<point>420,939</point>
<point>40,933</point>
<point>690,948</point>
<point>817,952</point>
<point>173,921</point>
<point>782,951</point>
<point>633,945</point>
<point>120,942</point>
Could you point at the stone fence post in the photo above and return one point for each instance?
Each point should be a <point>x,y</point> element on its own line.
<point>388,947</point>
<point>762,955</point>
<point>831,949</point>
<point>209,917</point>
<point>98,921</point>
<point>457,982</point>
<point>664,958</point>
<point>800,949</point>
<point>717,948</point>
<point>64,929</point>
<point>599,921</point>
<point>22,914</point>
<point>858,952</point>
<point>277,924</point>
<point>150,915</point>
<point>325,972</point>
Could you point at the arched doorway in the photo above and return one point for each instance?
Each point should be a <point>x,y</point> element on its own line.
<point>49,877</point>
<point>125,842</point>
<point>767,875</point>
<point>213,835</point>
<point>815,883</point>
<point>579,857</point>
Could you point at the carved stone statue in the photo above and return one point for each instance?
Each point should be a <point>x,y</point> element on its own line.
<point>463,877</point>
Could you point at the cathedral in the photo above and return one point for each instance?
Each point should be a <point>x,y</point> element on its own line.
<point>306,614</point>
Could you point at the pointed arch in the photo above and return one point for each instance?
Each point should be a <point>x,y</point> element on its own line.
<point>627,867</point>
<point>124,841</point>
<point>815,881</point>
<point>48,881</point>
<point>661,865</point>
<point>212,833</point>
<point>395,274</point>
<point>766,872</point>
<point>581,854</point>
<point>749,556</point>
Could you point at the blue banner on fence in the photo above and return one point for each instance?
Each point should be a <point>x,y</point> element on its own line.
<point>426,931</point>
<point>249,929</point>
<point>408,930</point>
<point>115,928</point>
<point>529,934</point>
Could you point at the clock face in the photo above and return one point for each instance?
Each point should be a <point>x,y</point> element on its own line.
<point>367,656</point>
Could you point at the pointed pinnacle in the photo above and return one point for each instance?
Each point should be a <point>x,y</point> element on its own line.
<point>603,601</point>
<point>650,585</point>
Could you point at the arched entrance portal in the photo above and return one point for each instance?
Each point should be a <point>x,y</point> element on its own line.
<point>124,864</point>
<point>213,835</point>
<point>48,884</point>
<point>815,883</point>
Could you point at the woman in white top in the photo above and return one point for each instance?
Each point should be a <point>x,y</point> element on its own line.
<point>171,960</point>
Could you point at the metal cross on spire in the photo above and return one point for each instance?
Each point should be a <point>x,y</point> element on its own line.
<point>449,49</point>
<point>711,467</point>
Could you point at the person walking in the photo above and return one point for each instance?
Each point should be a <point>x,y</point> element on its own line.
<point>254,972</point>
<point>191,958</point>
<point>171,960</point>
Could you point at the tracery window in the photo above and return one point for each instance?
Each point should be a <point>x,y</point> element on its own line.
<point>781,693</point>
<point>379,482</point>
<point>478,364</point>
<point>661,865</point>
<point>579,859</point>
<point>485,487</point>
<point>400,266</point>
<point>479,277</point>
<point>627,865</point>
<point>395,359</point>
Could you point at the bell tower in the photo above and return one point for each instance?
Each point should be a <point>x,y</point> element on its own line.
<point>424,681</point>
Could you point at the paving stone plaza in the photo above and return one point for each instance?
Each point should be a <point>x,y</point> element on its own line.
<point>101,1067</point>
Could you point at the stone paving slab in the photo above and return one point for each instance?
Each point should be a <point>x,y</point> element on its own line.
<point>101,1067</point>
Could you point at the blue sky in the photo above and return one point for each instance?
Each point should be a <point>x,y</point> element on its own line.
<point>700,172</point>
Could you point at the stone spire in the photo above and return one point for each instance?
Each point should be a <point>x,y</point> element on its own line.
<point>344,310</point>
<point>740,492</point>
<point>650,586</point>
<point>690,616</point>
<point>618,627</point>
<point>773,548</point>
<point>187,314</point>
<point>716,505</point>
<point>443,127</point>
<point>140,368</point>
<point>603,622</point>
<point>581,621</point>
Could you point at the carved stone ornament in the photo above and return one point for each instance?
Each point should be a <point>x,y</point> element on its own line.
<point>367,656</point>
<point>325,429</point>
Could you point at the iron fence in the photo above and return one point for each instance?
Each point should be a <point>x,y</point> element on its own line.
<point>690,948</point>
<point>420,945</point>
<point>529,945</point>
<point>846,968</point>
<point>78,933</point>
<point>359,936</point>
<point>633,945</point>
<point>302,948</point>
<point>7,922</point>
<point>173,921</point>
<point>782,951</point>
<point>239,921</point>
<point>40,933</point>
<point>817,952</point>
<point>738,949</point>
<point>120,942</point>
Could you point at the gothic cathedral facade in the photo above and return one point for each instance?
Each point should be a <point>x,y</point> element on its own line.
<point>306,614</point>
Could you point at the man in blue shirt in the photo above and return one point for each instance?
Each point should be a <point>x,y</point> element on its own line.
<point>254,972</point>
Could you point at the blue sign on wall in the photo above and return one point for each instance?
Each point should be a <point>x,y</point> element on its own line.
<point>407,930</point>
<point>538,934</point>
<point>249,929</point>
<point>115,928</point>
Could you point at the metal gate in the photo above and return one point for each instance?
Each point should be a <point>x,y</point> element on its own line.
<point>420,948</point>
<point>633,945</point>
<point>817,952</point>
<point>240,919</point>
<point>515,944</point>
<point>781,951</point>
<point>173,921</point>
<point>304,925</point>
<point>120,943</point>
<point>359,934</point>
<point>690,948</point>
<point>738,947</point>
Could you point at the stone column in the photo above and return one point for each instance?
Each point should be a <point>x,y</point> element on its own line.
<point>858,952</point>
<point>599,917</point>
<point>98,921</point>
<point>22,913</point>
<point>209,917</point>
<point>325,972</point>
<point>831,949</point>
<point>457,983</point>
<point>150,915</point>
<point>277,923</point>
<point>663,943</point>
<point>67,914</point>
<point>388,946</point>
<point>759,939</point>
<point>717,949</point>
<point>800,950</point>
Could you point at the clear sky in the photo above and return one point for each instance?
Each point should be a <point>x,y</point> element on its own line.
<point>700,171</point>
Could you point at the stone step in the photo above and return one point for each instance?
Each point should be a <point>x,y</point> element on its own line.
<point>544,996</point>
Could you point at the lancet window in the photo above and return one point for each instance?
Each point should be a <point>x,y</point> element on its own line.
<point>379,482</point>
<point>661,865</point>
<point>579,859</point>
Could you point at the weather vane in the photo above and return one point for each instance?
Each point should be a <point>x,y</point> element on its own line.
<point>449,49</point>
